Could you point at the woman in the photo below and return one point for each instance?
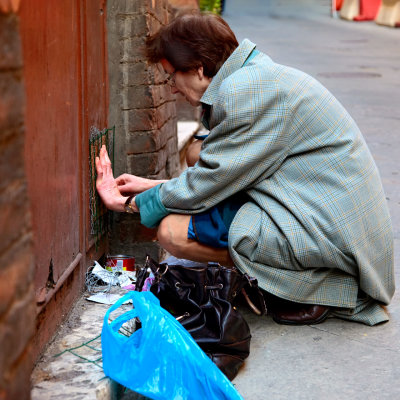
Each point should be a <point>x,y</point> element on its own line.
<point>285,187</point>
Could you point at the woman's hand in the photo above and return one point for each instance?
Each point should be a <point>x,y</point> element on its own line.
<point>106,185</point>
<point>131,184</point>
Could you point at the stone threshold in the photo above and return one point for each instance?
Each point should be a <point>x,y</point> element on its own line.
<point>71,367</point>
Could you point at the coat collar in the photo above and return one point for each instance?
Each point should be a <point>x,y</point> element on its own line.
<point>232,64</point>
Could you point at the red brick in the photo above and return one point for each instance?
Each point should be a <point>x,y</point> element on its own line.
<point>16,272</point>
<point>166,94</point>
<point>141,120</point>
<point>146,96</point>
<point>185,4</point>
<point>150,141</point>
<point>150,118</point>
<point>143,96</point>
<point>161,11</point>
<point>131,49</point>
<point>147,163</point>
<point>132,25</point>
<point>17,385</point>
<point>153,24</point>
<point>14,217</point>
<point>169,129</point>
<point>143,142</point>
<point>158,74</point>
<point>168,109</point>
<point>135,73</point>
<point>133,6</point>
<point>164,113</point>
<point>10,46</point>
<point>11,100</point>
<point>140,73</point>
<point>17,329</point>
<point>12,157</point>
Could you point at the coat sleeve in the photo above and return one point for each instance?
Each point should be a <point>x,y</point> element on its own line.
<point>246,144</point>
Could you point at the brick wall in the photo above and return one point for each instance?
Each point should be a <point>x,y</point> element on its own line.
<point>17,305</point>
<point>143,111</point>
<point>185,4</point>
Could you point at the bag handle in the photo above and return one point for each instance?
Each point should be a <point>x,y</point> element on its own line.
<point>116,324</point>
<point>121,319</point>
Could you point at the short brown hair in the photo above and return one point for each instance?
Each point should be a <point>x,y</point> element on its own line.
<point>193,40</point>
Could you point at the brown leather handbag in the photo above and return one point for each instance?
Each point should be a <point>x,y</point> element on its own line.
<point>201,298</point>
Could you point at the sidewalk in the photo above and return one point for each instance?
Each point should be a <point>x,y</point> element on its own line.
<point>360,64</point>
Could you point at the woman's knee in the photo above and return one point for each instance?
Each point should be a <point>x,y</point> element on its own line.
<point>164,234</point>
<point>172,233</point>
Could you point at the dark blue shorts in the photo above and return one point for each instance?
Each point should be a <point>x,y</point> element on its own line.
<point>211,227</point>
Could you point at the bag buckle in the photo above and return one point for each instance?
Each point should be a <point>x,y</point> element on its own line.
<point>160,274</point>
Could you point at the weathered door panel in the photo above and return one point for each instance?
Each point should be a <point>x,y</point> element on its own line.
<point>65,72</point>
<point>51,51</point>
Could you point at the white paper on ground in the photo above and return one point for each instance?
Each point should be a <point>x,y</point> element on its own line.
<point>124,280</point>
<point>106,276</point>
<point>106,298</point>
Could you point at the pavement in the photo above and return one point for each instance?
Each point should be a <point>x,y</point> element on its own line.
<point>359,62</point>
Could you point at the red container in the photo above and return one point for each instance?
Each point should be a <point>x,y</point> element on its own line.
<point>120,263</point>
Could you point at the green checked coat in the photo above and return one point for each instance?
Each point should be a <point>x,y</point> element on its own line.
<point>317,229</point>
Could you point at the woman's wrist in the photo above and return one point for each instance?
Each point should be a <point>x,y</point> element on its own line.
<point>119,204</point>
<point>130,205</point>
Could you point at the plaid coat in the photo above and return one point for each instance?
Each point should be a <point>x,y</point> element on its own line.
<point>317,229</point>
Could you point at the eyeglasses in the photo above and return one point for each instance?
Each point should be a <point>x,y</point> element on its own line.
<point>170,80</point>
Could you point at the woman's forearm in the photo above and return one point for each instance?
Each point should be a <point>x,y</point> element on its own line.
<point>132,184</point>
<point>155,182</point>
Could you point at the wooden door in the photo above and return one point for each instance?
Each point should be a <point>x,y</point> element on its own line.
<point>65,73</point>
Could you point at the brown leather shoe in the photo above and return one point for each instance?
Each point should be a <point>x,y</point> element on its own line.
<point>301,314</point>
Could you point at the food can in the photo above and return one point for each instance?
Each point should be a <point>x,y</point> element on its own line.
<point>120,263</point>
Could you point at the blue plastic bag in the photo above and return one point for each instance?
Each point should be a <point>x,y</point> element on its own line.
<point>160,360</point>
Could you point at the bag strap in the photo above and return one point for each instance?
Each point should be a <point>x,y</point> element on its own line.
<point>251,288</point>
<point>116,323</point>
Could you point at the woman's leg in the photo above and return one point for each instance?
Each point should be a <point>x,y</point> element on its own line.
<point>172,235</point>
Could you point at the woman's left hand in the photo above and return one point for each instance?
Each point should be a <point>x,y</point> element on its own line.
<point>106,185</point>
